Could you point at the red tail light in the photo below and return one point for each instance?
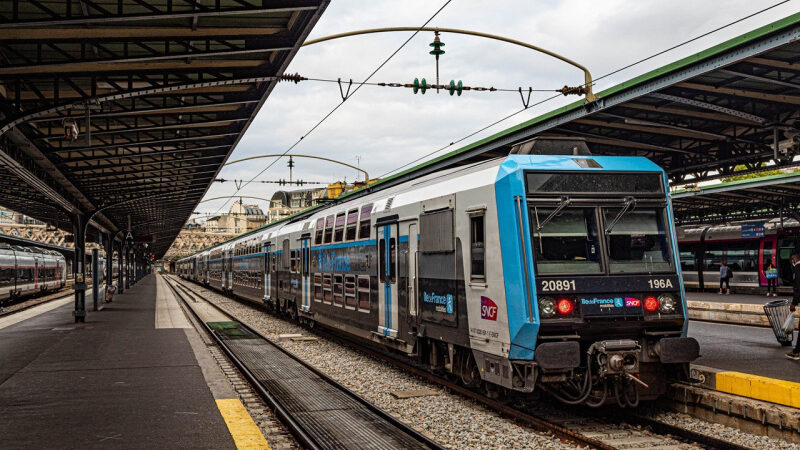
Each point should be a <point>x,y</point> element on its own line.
<point>565,306</point>
<point>650,303</point>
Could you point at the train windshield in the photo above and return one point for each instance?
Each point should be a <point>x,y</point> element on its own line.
<point>637,242</point>
<point>567,243</point>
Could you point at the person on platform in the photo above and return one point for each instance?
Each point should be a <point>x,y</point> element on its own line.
<point>725,274</point>
<point>771,274</point>
<point>795,260</point>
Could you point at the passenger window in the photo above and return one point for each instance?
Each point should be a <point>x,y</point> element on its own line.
<point>294,261</point>
<point>352,225</point>
<point>328,229</point>
<point>338,290</point>
<point>350,291</point>
<point>363,293</point>
<point>477,245</point>
<point>318,233</point>
<point>326,289</point>
<point>382,260</point>
<point>364,223</point>
<point>338,234</point>
<point>318,287</point>
<point>392,261</point>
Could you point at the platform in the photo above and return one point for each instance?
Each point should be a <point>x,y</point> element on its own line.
<point>116,380</point>
<point>745,299</point>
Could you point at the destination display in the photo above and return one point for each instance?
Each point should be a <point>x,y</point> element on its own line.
<point>604,182</point>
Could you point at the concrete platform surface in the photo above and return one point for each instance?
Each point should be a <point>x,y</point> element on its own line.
<point>748,299</point>
<point>115,381</point>
<point>748,349</point>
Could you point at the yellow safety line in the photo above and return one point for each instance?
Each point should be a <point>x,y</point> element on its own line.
<point>760,388</point>
<point>244,431</point>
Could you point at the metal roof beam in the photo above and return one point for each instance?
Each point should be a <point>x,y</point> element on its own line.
<point>777,98</point>
<point>135,143</point>
<point>108,34</point>
<point>79,170</point>
<point>710,106</point>
<point>762,78</point>
<point>146,154</point>
<point>106,17</point>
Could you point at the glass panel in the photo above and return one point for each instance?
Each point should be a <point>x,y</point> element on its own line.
<point>629,183</point>
<point>363,227</point>
<point>568,243</point>
<point>363,293</point>
<point>338,290</point>
<point>638,241</point>
<point>476,247</point>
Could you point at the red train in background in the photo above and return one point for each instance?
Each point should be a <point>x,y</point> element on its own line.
<point>746,247</point>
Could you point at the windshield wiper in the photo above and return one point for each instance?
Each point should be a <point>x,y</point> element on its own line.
<point>630,203</point>
<point>565,201</point>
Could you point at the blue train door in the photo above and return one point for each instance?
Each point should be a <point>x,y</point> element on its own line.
<point>387,279</point>
<point>305,252</point>
<point>267,268</point>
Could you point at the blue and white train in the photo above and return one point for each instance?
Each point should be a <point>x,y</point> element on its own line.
<point>531,272</point>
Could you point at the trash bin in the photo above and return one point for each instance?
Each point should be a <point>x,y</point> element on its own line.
<point>777,312</point>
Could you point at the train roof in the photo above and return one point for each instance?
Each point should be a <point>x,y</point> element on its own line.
<point>441,183</point>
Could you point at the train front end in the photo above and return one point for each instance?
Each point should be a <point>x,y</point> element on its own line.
<point>593,287</point>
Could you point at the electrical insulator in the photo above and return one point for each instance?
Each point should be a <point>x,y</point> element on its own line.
<point>456,88</point>
<point>420,86</point>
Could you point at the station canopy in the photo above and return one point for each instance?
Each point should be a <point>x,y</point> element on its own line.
<point>768,197</point>
<point>160,92</point>
<point>700,118</point>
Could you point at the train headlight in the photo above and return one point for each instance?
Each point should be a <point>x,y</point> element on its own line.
<point>666,303</point>
<point>650,303</point>
<point>547,307</point>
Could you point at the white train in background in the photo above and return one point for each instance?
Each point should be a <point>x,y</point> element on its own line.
<point>30,270</point>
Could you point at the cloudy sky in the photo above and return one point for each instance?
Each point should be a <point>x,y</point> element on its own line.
<point>389,127</point>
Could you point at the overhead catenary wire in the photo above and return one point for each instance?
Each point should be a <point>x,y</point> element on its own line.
<point>628,66</point>
<point>332,111</point>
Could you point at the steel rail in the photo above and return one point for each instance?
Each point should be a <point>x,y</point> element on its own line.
<point>307,440</point>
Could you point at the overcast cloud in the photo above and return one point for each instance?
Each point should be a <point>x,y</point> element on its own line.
<point>389,127</point>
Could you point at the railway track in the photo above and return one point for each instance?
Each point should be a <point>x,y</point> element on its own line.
<point>608,428</point>
<point>317,410</point>
<point>23,303</point>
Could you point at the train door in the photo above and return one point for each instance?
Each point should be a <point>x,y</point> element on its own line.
<point>267,274</point>
<point>412,272</point>
<point>387,279</point>
<point>36,261</point>
<point>305,252</point>
<point>786,247</point>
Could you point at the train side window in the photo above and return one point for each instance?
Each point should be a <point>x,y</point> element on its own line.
<point>350,291</point>
<point>285,255</point>
<point>326,289</point>
<point>364,222</point>
<point>305,261</point>
<point>338,233</point>
<point>352,225</point>
<point>477,245</point>
<point>392,261</point>
<point>382,260</point>
<point>317,287</point>
<point>338,290</point>
<point>328,229</point>
<point>363,293</point>
<point>318,233</point>
<point>293,268</point>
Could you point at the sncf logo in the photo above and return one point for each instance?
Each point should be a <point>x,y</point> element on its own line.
<point>488,309</point>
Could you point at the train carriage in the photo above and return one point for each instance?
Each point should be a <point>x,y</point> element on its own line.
<point>746,247</point>
<point>556,272</point>
<point>30,270</point>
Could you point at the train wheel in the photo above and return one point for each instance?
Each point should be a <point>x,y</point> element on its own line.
<point>470,375</point>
